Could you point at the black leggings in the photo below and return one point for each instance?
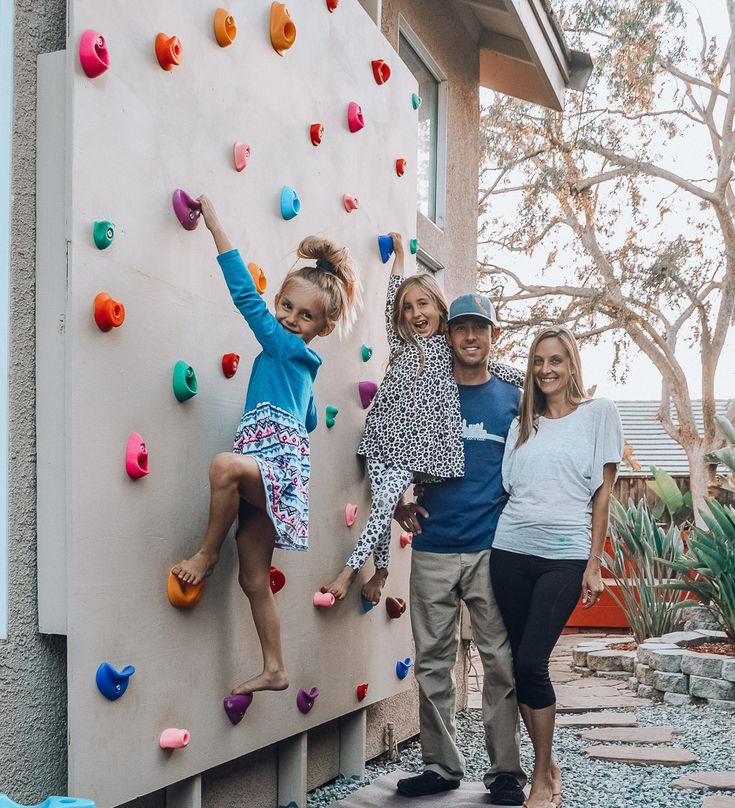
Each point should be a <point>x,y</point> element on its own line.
<point>536,597</point>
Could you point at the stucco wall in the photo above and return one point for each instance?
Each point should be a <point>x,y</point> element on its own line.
<point>32,667</point>
<point>444,35</point>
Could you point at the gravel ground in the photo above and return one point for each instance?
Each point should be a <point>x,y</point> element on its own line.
<point>708,733</point>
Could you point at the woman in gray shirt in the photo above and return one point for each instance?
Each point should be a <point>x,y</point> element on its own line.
<point>560,462</point>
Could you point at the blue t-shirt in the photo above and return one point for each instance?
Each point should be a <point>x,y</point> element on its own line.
<point>463,512</point>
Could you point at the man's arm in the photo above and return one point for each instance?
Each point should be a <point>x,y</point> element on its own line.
<point>407,515</point>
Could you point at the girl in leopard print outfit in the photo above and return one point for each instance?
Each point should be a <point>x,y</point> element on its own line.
<point>413,432</point>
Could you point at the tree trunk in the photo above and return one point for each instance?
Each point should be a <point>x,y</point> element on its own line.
<point>699,479</point>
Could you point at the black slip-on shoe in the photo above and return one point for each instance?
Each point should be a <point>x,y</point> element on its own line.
<point>427,782</point>
<point>505,790</point>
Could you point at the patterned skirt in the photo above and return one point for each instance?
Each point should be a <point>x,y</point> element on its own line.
<point>280,446</point>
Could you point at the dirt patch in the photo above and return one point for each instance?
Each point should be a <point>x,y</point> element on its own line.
<point>726,648</point>
<point>622,646</point>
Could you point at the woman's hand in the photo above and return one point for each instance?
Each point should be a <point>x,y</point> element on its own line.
<point>592,585</point>
<point>397,244</point>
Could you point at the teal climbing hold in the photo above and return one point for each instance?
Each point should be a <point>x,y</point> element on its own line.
<point>413,245</point>
<point>185,381</point>
<point>290,203</point>
<point>331,415</point>
<point>49,802</point>
<point>366,352</point>
<point>103,232</point>
<point>415,100</point>
<point>367,605</point>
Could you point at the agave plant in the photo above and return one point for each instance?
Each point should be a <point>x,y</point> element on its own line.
<point>642,564</point>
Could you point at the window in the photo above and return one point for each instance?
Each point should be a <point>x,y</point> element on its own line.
<point>427,263</point>
<point>431,157</point>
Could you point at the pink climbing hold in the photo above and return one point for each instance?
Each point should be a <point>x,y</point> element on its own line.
<point>173,738</point>
<point>93,55</point>
<point>355,119</point>
<point>325,599</point>
<point>367,391</point>
<point>136,457</point>
<point>406,539</point>
<point>350,514</point>
<point>350,203</point>
<point>241,152</point>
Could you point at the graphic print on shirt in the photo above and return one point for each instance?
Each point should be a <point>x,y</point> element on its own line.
<point>478,432</point>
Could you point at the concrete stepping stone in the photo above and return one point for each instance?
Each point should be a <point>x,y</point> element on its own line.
<point>597,720</point>
<point>585,703</point>
<point>641,755</point>
<point>719,802</point>
<point>717,781</point>
<point>631,735</point>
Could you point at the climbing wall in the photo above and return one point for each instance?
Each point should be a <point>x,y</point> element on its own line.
<point>136,133</point>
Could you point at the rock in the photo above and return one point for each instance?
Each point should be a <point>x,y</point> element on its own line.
<point>728,669</point>
<point>627,660</point>
<point>597,720</point>
<point>683,638</point>
<point>649,692</point>
<point>644,651</point>
<point>722,704</point>
<point>584,704</point>
<point>719,802</point>
<point>667,659</point>
<point>677,699</point>
<point>641,755</point>
<point>622,675</point>
<point>711,688</point>
<point>579,652</point>
<point>631,735</point>
<point>671,682</point>
<point>709,665</point>
<point>644,674</point>
<point>633,684</point>
<point>717,781</point>
<point>604,660</point>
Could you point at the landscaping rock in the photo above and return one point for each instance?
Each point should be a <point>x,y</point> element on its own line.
<point>641,755</point>
<point>633,684</point>
<point>644,674</point>
<point>644,651</point>
<point>728,669</point>
<point>709,665</point>
<point>628,660</point>
<point>677,699</point>
<point>604,660</point>
<point>683,638</point>
<point>631,735</point>
<point>711,688</point>
<point>671,682</point>
<point>620,675</point>
<point>717,781</point>
<point>719,802</point>
<point>649,692</point>
<point>597,720</point>
<point>667,659</point>
<point>722,704</point>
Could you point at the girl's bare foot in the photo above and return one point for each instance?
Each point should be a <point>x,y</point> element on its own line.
<point>340,586</point>
<point>556,796</point>
<point>197,568</point>
<point>373,589</point>
<point>541,793</point>
<point>267,680</point>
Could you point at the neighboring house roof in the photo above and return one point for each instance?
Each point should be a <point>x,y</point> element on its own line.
<point>650,444</point>
<point>522,50</point>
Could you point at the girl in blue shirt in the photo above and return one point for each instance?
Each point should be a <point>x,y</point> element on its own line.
<point>263,482</point>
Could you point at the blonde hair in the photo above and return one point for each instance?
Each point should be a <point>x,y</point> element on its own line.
<point>405,332</point>
<point>335,278</point>
<point>533,400</point>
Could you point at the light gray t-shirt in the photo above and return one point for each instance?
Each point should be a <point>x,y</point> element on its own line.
<point>552,478</point>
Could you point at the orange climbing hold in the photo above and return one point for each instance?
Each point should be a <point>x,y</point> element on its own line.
<point>168,51</point>
<point>108,313</point>
<point>316,132</point>
<point>283,30</point>
<point>183,595</point>
<point>400,166</point>
<point>258,276</point>
<point>225,29</point>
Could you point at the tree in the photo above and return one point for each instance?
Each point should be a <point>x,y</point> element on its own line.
<point>637,240</point>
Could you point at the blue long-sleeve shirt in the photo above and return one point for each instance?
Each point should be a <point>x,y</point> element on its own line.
<point>283,373</point>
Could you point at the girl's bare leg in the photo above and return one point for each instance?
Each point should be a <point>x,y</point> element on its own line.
<point>255,541</point>
<point>546,783</point>
<point>232,477</point>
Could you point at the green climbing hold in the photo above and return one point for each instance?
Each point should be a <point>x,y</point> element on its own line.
<point>103,233</point>
<point>413,245</point>
<point>185,381</point>
<point>415,100</point>
<point>331,415</point>
<point>366,352</point>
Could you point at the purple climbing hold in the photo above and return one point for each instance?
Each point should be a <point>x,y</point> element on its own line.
<point>305,700</point>
<point>187,210</point>
<point>367,391</point>
<point>236,706</point>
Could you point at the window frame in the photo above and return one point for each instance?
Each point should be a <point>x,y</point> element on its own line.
<point>433,67</point>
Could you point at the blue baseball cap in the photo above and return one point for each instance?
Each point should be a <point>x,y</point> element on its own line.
<point>473,306</point>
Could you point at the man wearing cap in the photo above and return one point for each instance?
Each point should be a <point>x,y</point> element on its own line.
<point>453,526</point>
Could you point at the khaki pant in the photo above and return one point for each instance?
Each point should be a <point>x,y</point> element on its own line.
<point>439,581</point>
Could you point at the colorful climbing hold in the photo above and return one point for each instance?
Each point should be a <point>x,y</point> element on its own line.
<point>136,457</point>
<point>230,362</point>
<point>168,51</point>
<point>258,276</point>
<point>350,514</point>
<point>355,119</point>
<point>325,599</point>
<point>316,132</point>
<point>113,683</point>
<point>403,666</point>
<point>241,154</point>
<point>183,595</point>
<point>103,232</point>
<point>415,100</point>
<point>366,352</point>
<point>283,30</point>
<point>290,203</point>
<point>413,246</point>
<point>236,706</point>
<point>108,313</point>
<point>331,415</point>
<point>367,605</point>
<point>277,580</point>
<point>332,5</point>
<point>305,700</point>
<point>93,55</point>
<point>350,203</point>
<point>225,29</point>
<point>406,539</point>
<point>381,71</point>
<point>173,738</point>
<point>49,802</point>
<point>395,607</point>
<point>187,210</point>
<point>385,245</point>
<point>184,381</point>
<point>367,391</point>
<point>400,166</point>
<point>361,691</point>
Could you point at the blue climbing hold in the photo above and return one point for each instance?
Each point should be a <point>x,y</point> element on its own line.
<point>385,245</point>
<point>367,605</point>
<point>111,683</point>
<point>403,666</point>
<point>290,203</point>
<point>49,802</point>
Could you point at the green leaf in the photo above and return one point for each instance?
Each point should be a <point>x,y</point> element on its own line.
<point>727,427</point>
<point>670,493</point>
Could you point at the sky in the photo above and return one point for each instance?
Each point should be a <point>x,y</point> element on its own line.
<point>642,380</point>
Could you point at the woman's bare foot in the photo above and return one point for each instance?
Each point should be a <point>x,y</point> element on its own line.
<point>340,586</point>
<point>267,680</point>
<point>556,785</point>
<point>197,568</point>
<point>373,589</point>
<point>541,792</point>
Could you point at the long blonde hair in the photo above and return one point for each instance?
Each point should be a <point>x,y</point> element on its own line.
<point>334,276</point>
<point>406,333</point>
<point>533,400</point>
